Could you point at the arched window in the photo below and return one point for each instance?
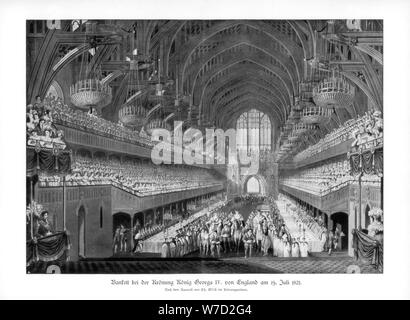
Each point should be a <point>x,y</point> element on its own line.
<point>253,129</point>
<point>55,90</point>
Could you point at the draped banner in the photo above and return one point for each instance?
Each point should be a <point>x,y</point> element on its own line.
<point>368,248</point>
<point>355,164</point>
<point>49,160</point>
<point>49,248</point>
<point>367,162</point>
<point>378,161</point>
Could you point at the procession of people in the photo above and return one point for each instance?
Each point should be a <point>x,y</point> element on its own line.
<point>225,232</point>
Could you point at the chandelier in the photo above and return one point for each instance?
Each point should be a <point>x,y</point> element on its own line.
<point>156,123</point>
<point>132,113</point>
<point>316,115</point>
<point>90,93</point>
<point>293,137</point>
<point>301,128</point>
<point>334,91</point>
<point>156,115</point>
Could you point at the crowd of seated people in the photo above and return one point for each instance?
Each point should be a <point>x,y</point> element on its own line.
<point>40,129</point>
<point>364,128</point>
<point>326,177</point>
<point>141,179</point>
<point>90,121</point>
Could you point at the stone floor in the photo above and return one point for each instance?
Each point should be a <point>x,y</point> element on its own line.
<point>157,266</point>
<point>320,263</point>
<point>308,265</point>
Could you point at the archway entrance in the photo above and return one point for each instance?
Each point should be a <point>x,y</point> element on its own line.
<point>252,186</point>
<point>122,219</point>
<point>255,184</point>
<point>81,232</point>
<point>341,221</point>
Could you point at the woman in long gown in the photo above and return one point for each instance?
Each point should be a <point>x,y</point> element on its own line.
<point>272,238</point>
<point>276,244</point>
<point>165,252</point>
<point>266,242</point>
<point>304,249</point>
<point>295,250</point>
<point>172,248</point>
<point>287,249</point>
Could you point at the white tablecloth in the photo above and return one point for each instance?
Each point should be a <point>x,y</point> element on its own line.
<point>314,243</point>
<point>154,244</point>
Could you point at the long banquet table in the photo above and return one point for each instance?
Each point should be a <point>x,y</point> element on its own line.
<point>154,243</point>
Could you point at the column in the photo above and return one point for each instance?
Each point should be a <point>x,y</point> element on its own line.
<point>132,231</point>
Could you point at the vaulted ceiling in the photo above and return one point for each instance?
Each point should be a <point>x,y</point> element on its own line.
<point>218,68</point>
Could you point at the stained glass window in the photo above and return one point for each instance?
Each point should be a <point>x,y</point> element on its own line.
<point>253,131</point>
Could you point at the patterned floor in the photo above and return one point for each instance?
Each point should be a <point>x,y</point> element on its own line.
<point>308,265</point>
<point>233,264</point>
<point>157,266</point>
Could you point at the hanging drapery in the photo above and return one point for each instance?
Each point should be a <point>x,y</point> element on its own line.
<point>368,162</point>
<point>50,248</point>
<point>368,248</point>
<point>355,164</point>
<point>48,160</point>
<point>378,161</point>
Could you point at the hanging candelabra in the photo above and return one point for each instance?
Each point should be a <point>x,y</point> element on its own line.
<point>334,92</point>
<point>132,113</point>
<point>89,92</point>
<point>155,117</point>
<point>316,115</point>
<point>302,128</point>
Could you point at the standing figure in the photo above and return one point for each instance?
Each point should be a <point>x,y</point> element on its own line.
<point>295,250</point>
<point>44,227</point>
<point>215,244</point>
<point>123,238</point>
<point>165,250</point>
<point>237,233</point>
<point>248,240</point>
<point>204,246</point>
<point>304,249</point>
<point>287,252</point>
<point>116,240</point>
<point>226,236</point>
<point>137,238</point>
<point>330,244</point>
<point>266,240</point>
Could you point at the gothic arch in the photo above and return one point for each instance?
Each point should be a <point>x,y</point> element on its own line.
<point>263,186</point>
